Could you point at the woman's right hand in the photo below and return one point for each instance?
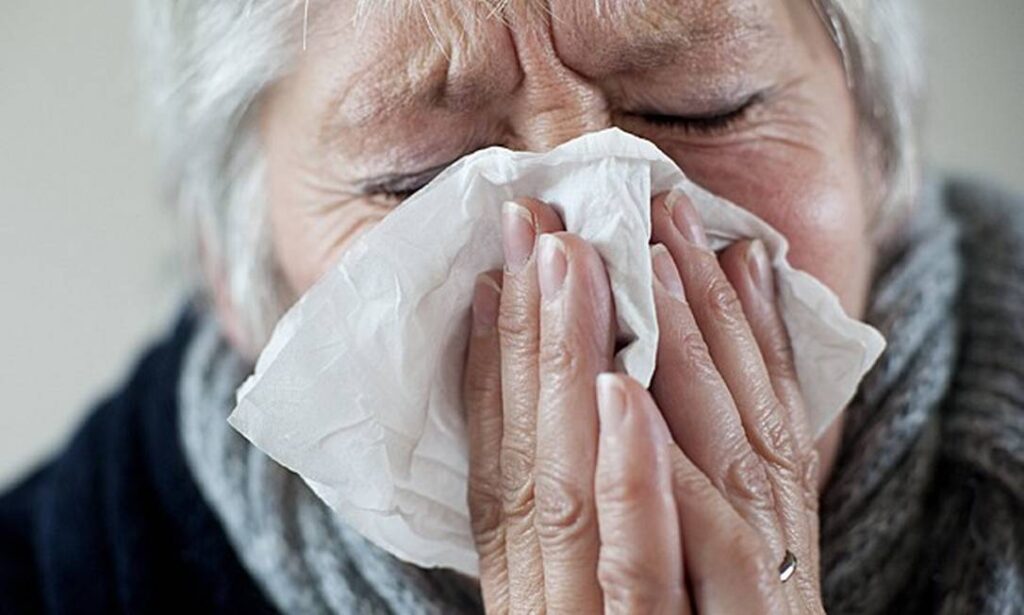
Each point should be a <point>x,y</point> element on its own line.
<point>542,332</point>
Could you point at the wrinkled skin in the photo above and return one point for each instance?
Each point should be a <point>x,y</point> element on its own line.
<point>749,98</point>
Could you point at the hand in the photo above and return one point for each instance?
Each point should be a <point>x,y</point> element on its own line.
<point>670,530</point>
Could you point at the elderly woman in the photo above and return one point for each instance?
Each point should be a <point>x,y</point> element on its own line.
<point>291,129</point>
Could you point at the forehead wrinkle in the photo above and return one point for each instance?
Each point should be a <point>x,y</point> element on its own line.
<point>404,8</point>
<point>402,65</point>
<point>368,94</point>
<point>655,33</point>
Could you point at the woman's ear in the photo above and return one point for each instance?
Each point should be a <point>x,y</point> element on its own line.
<point>216,281</point>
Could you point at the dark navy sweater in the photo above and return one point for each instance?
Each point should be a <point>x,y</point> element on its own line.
<point>114,523</point>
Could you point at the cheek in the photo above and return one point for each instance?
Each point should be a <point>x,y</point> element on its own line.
<point>306,244</point>
<point>816,201</point>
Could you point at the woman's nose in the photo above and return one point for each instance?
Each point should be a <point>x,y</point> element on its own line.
<point>555,104</point>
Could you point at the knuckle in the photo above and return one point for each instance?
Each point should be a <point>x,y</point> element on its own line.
<point>485,513</point>
<point>722,302</point>
<point>560,355</point>
<point>516,324</point>
<point>479,389</point>
<point>785,370</point>
<point>745,479</point>
<point>778,448</point>
<point>774,438</point>
<point>516,482</point>
<point>563,514</point>
<point>518,503</point>
<point>694,353</point>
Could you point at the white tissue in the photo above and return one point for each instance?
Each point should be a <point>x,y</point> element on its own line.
<point>358,390</point>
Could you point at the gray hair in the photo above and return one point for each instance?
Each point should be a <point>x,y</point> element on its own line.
<point>207,62</point>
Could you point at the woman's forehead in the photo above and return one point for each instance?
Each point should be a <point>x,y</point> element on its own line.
<point>590,36</point>
<point>404,50</point>
<point>506,9</point>
<point>660,21</point>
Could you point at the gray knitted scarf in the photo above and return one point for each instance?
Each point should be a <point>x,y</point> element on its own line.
<point>925,510</point>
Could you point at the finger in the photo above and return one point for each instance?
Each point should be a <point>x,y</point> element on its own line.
<point>718,313</point>
<point>729,567</point>
<point>482,395</point>
<point>699,407</point>
<point>519,332</point>
<point>640,568</point>
<point>576,344</point>
<point>746,264</point>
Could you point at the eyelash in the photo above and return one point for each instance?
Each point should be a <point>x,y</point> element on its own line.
<point>414,183</point>
<point>395,196</point>
<point>704,125</point>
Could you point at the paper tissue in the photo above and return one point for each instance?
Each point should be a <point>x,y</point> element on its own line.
<point>359,389</point>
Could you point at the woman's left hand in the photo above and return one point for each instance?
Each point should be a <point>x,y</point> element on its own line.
<point>741,456</point>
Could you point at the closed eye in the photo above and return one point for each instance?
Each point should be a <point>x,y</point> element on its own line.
<point>400,186</point>
<point>708,124</point>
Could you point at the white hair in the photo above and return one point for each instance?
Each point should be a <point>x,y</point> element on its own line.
<point>208,61</point>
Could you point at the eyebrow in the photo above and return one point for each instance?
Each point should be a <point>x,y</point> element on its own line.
<point>354,106</point>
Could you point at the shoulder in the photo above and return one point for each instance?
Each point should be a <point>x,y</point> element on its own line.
<point>990,221</point>
<point>983,424</point>
<point>986,409</point>
<point>114,522</point>
<point>984,210</point>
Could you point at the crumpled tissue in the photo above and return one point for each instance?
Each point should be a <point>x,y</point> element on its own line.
<point>359,388</point>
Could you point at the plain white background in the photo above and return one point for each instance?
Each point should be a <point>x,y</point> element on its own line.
<point>86,251</point>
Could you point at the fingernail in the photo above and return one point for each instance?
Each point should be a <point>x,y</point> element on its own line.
<point>552,266</point>
<point>666,272</point>
<point>611,402</point>
<point>685,219</point>
<point>486,301</point>
<point>761,269</point>
<point>518,233</point>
